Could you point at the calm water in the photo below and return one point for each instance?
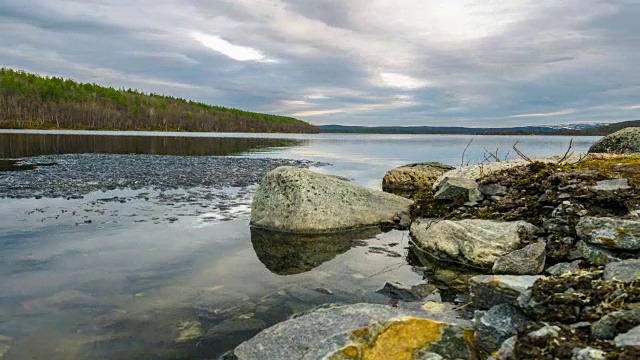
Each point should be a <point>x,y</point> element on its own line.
<point>107,255</point>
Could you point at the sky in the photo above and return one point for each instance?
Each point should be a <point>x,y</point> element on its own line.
<point>353,62</point>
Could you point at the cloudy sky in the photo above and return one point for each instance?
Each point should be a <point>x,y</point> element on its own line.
<point>372,62</point>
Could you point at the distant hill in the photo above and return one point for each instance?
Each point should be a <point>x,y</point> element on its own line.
<point>30,101</point>
<point>572,129</point>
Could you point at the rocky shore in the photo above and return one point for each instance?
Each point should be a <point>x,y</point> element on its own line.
<point>525,259</point>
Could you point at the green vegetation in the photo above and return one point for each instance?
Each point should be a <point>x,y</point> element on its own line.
<point>30,101</point>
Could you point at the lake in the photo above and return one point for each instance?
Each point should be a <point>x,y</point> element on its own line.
<point>123,245</point>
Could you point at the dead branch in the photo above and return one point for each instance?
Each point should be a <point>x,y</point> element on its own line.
<point>520,153</point>
<point>465,152</point>
<point>567,154</point>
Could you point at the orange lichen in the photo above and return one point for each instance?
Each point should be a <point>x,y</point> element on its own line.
<point>400,340</point>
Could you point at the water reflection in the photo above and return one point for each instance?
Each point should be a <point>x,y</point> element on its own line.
<point>288,254</point>
<point>23,145</point>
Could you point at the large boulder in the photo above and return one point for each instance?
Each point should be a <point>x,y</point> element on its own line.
<point>477,243</point>
<point>361,331</point>
<point>302,201</point>
<point>625,141</point>
<point>407,179</point>
<point>610,233</point>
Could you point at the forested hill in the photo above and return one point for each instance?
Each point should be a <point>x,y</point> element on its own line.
<point>29,101</point>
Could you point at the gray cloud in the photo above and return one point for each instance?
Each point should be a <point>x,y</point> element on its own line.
<point>418,62</point>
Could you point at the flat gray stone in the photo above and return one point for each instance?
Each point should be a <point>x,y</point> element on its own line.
<point>302,201</point>
<point>360,331</point>
<point>526,261</point>
<point>490,290</point>
<point>625,271</point>
<point>560,269</point>
<point>610,232</point>
<point>612,185</point>
<point>630,338</point>
<point>493,189</point>
<point>459,189</point>
<point>476,243</point>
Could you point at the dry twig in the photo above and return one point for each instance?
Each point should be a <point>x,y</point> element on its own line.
<point>520,153</point>
<point>464,153</point>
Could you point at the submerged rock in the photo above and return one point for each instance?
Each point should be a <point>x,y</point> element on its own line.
<point>490,290</point>
<point>476,243</point>
<point>526,261</point>
<point>625,271</point>
<point>610,233</point>
<point>301,201</point>
<point>459,189</point>
<point>407,179</point>
<point>189,331</point>
<point>361,331</point>
<point>406,293</point>
<point>625,141</point>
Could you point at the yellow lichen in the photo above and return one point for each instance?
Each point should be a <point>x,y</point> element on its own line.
<point>351,352</point>
<point>400,340</point>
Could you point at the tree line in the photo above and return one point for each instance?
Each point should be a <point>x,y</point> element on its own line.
<point>30,101</point>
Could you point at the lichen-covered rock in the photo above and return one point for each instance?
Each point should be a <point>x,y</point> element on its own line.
<point>476,243</point>
<point>625,271</point>
<point>630,338</point>
<point>490,290</point>
<point>526,261</point>
<point>593,254</point>
<point>625,141</point>
<point>495,326</point>
<point>615,323</point>
<point>460,189</point>
<point>407,179</point>
<point>610,233</point>
<point>301,201</point>
<point>361,331</point>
